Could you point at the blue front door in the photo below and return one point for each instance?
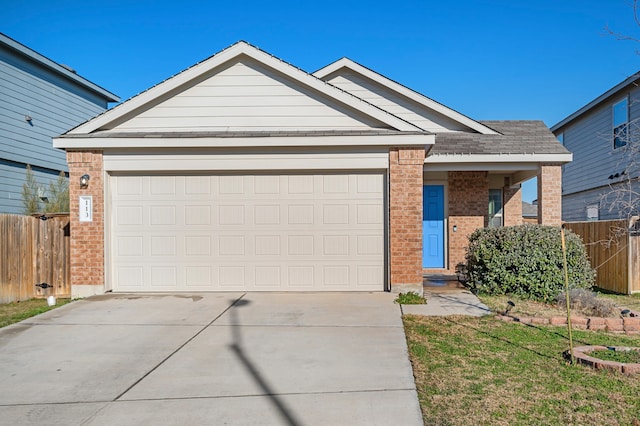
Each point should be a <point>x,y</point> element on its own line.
<point>433,226</point>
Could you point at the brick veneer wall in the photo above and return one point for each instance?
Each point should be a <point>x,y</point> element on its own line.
<point>468,210</point>
<point>405,218</point>
<point>512,208</point>
<point>550,194</point>
<point>87,238</point>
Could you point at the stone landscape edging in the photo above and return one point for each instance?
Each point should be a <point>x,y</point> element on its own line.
<point>627,325</point>
<point>581,354</point>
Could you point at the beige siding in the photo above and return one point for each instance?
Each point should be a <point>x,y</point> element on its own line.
<point>247,97</point>
<point>400,106</point>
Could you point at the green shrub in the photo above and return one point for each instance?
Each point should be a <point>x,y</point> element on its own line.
<point>57,197</point>
<point>526,261</point>
<point>410,298</point>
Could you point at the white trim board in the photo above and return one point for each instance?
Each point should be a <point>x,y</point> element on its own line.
<point>498,158</point>
<point>227,142</point>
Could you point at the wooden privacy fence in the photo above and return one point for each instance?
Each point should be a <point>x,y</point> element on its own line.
<point>613,247</point>
<point>34,251</point>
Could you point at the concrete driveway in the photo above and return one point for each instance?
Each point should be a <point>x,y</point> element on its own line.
<point>210,358</point>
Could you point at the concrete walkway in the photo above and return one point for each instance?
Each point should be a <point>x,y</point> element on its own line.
<point>203,359</point>
<point>445,296</point>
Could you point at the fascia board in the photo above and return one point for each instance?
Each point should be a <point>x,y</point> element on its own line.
<point>491,159</point>
<point>78,142</point>
<point>404,91</point>
<point>243,48</point>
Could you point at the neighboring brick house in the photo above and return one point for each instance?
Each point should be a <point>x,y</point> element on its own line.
<point>602,181</point>
<point>245,173</point>
<point>529,212</point>
<point>39,99</point>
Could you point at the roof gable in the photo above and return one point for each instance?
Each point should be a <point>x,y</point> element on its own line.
<point>397,99</point>
<point>243,89</point>
<point>55,68</point>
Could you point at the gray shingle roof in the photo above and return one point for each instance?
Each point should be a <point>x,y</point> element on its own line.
<point>529,210</point>
<point>517,137</point>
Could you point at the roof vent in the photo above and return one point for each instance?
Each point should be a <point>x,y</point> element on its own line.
<point>68,68</point>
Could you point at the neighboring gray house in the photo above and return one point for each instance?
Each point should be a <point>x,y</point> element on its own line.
<point>602,181</point>
<point>39,99</point>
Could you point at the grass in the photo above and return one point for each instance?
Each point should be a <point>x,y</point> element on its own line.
<point>486,372</point>
<point>410,298</point>
<point>11,313</point>
<point>626,357</point>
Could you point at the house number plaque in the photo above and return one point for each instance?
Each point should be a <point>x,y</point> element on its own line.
<point>86,208</point>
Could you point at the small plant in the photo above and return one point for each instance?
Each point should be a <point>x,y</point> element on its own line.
<point>410,298</point>
<point>588,303</point>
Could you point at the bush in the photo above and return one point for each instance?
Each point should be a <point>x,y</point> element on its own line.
<point>57,196</point>
<point>526,261</point>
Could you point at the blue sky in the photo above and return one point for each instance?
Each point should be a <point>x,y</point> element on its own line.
<point>488,59</point>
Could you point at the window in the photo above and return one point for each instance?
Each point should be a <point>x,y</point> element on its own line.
<point>620,121</point>
<point>560,137</point>
<point>495,208</point>
<point>593,212</point>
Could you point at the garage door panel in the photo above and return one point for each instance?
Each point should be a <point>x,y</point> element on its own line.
<point>199,278</point>
<point>300,232</point>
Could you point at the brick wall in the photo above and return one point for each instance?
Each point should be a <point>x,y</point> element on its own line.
<point>512,208</point>
<point>405,218</point>
<point>550,194</point>
<point>468,210</point>
<point>87,238</point>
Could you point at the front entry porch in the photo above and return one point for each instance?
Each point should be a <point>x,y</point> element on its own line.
<point>457,202</point>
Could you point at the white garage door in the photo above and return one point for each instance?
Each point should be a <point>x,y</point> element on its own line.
<point>258,232</point>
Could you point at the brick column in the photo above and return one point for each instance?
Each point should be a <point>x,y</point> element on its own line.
<point>550,194</point>
<point>405,218</point>
<point>468,211</point>
<point>87,238</point>
<point>512,208</point>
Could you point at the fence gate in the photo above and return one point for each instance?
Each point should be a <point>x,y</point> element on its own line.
<point>613,247</point>
<point>34,251</point>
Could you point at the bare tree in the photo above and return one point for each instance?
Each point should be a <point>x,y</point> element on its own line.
<point>623,195</point>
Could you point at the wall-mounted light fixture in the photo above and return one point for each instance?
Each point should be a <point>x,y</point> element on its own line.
<point>84,181</point>
<point>455,228</point>
<point>28,118</point>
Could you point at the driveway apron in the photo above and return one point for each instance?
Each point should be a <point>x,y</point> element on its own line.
<point>210,358</point>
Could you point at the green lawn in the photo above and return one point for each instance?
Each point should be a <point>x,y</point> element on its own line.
<point>482,371</point>
<point>15,312</point>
